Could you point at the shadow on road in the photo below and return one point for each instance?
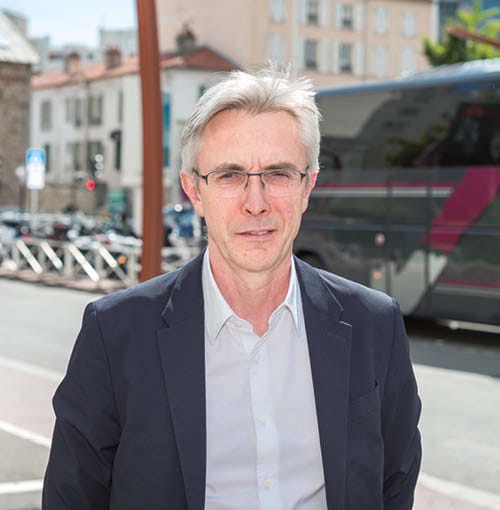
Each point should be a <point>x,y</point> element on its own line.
<point>466,350</point>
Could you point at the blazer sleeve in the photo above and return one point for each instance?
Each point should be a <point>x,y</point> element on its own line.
<point>87,429</point>
<point>400,414</point>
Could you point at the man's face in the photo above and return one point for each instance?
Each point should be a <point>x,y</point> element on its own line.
<point>252,231</point>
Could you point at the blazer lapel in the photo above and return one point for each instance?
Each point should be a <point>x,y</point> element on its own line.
<point>329,342</point>
<point>182,353</point>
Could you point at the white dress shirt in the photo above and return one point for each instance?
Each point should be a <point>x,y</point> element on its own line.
<point>263,448</point>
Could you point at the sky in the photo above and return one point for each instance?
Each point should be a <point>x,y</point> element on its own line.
<point>73,21</point>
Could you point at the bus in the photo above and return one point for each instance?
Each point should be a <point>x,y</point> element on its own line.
<point>407,199</point>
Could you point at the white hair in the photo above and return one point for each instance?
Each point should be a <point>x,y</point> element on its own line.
<point>266,91</point>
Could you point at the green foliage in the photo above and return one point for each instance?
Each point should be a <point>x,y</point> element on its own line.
<point>453,50</point>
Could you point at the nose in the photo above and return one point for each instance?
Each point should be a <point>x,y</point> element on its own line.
<point>255,196</point>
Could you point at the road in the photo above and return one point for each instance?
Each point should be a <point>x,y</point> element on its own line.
<point>458,375</point>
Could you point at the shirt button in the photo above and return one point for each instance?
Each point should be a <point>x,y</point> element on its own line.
<point>263,419</point>
<point>257,358</point>
<point>267,483</point>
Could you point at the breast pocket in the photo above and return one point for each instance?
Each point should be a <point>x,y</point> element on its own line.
<point>366,404</point>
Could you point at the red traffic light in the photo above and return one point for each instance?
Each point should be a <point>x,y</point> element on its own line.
<point>90,184</point>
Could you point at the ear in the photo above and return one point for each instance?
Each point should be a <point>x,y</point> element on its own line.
<point>191,189</point>
<point>310,185</point>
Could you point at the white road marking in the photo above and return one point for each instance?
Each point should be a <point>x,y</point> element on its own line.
<point>31,369</point>
<point>25,434</point>
<point>23,486</point>
<point>462,492</point>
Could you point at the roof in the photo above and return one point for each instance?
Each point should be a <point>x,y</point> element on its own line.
<point>453,73</point>
<point>200,58</point>
<point>14,47</point>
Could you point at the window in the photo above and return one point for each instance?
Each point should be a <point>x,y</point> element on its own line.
<point>120,106</point>
<point>345,58</point>
<point>310,54</point>
<point>277,10</point>
<point>73,161</point>
<point>77,121</point>
<point>312,12</point>
<point>46,148</point>
<point>381,20</point>
<point>118,150</point>
<point>346,16</point>
<point>46,116</point>
<point>408,23</point>
<point>276,49</point>
<point>95,110</point>
<point>69,104</point>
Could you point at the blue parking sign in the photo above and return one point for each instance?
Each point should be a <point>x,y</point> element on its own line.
<point>35,168</point>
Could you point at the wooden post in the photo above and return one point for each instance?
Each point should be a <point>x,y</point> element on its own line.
<point>152,140</point>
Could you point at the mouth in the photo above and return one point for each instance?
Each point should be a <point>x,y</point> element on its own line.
<point>257,232</point>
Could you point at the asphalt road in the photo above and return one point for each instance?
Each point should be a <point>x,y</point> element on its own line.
<point>458,375</point>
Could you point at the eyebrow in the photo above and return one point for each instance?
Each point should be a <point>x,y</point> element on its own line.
<point>271,166</point>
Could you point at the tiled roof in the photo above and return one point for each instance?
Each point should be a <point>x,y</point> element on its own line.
<point>13,46</point>
<point>200,58</point>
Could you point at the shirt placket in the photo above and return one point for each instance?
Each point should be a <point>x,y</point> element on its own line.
<point>264,420</point>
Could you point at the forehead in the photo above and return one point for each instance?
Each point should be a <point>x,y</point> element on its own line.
<point>251,139</point>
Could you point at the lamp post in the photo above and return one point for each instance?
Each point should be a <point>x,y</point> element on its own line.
<point>152,136</point>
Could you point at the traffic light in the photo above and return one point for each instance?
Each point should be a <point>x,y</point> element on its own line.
<point>90,184</point>
<point>97,166</point>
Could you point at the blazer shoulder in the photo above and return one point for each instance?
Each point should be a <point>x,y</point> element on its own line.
<point>151,296</point>
<point>357,296</point>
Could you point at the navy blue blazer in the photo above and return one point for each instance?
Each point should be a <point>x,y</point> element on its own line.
<point>130,430</point>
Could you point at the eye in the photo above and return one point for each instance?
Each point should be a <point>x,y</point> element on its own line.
<point>280,175</point>
<point>227,177</point>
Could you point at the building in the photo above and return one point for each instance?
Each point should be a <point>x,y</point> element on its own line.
<point>53,58</point>
<point>16,60</point>
<point>125,39</point>
<point>334,42</point>
<point>86,111</point>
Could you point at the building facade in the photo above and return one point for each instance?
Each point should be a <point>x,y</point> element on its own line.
<point>333,41</point>
<point>94,110</point>
<point>16,60</point>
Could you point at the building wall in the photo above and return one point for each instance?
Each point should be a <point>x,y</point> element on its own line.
<point>184,88</point>
<point>248,31</point>
<point>14,127</point>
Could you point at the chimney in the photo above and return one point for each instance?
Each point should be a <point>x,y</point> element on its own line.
<point>72,63</point>
<point>113,57</point>
<point>186,40</point>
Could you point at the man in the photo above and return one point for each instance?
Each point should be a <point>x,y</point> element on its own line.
<point>247,379</point>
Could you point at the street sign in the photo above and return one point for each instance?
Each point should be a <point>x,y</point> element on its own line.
<point>35,169</point>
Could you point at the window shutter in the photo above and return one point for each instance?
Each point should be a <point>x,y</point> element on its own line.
<point>358,18</point>
<point>323,56</point>
<point>324,13</point>
<point>299,54</point>
<point>303,12</point>
<point>335,57</point>
<point>338,15</point>
<point>358,63</point>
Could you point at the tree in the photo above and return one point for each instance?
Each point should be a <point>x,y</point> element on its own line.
<point>453,50</point>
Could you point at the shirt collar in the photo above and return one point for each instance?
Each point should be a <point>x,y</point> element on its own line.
<point>218,311</point>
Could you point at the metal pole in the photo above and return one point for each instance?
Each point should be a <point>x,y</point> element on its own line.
<point>152,136</point>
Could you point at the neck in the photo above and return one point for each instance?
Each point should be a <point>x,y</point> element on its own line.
<point>253,296</point>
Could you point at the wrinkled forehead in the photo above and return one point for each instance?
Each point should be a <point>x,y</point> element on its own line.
<point>252,139</point>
